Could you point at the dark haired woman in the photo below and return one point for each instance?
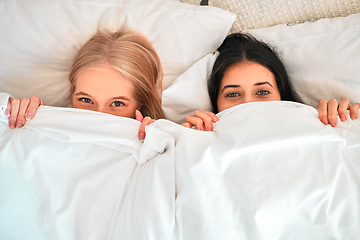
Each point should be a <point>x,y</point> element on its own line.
<point>248,70</point>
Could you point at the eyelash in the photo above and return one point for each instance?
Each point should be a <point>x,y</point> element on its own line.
<point>231,95</point>
<point>85,100</point>
<point>121,103</point>
<point>261,92</point>
<point>235,94</point>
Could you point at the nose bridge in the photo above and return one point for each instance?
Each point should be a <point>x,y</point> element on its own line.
<point>100,108</point>
<point>248,98</point>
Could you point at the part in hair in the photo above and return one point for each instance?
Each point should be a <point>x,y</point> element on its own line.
<point>131,54</point>
<point>239,47</point>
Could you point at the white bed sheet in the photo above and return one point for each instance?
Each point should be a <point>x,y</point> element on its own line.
<point>268,171</point>
<point>75,174</point>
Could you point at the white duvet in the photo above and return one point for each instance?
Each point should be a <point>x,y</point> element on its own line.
<point>75,174</point>
<point>268,171</point>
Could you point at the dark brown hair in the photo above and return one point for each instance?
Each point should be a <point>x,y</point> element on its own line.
<point>239,47</point>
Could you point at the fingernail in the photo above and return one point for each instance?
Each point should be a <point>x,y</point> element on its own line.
<point>324,120</point>
<point>201,128</point>
<point>28,116</point>
<point>215,119</point>
<point>20,123</point>
<point>141,136</point>
<point>342,117</point>
<point>12,125</point>
<point>333,124</point>
<point>7,112</point>
<point>209,128</point>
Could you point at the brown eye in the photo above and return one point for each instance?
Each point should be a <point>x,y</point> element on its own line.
<point>263,92</point>
<point>231,95</point>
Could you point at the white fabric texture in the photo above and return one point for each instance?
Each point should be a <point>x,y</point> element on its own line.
<point>189,91</point>
<point>76,174</point>
<point>252,14</point>
<point>269,170</point>
<point>322,59</point>
<point>39,39</point>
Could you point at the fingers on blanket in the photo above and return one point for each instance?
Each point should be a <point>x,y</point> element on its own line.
<point>13,106</point>
<point>202,120</point>
<point>7,110</point>
<point>138,116</point>
<point>354,111</point>
<point>21,110</point>
<point>33,106</point>
<point>144,122</point>
<point>328,111</point>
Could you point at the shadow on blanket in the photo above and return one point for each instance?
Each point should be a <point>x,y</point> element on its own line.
<point>268,171</point>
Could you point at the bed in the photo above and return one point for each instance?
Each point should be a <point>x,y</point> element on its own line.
<point>268,170</point>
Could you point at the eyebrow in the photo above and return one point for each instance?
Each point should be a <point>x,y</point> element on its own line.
<point>114,98</point>
<point>236,86</point>
<point>262,83</point>
<point>122,98</point>
<point>229,86</point>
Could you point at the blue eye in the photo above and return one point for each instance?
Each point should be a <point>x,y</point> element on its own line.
<point>117,104</point>
<point>263,92</point>
<point>86,100</point>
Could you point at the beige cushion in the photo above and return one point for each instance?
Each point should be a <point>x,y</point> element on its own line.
<point>264,13</point>
<point>195,2</point>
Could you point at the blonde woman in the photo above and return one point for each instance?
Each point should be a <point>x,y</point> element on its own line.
<point>118,73</point>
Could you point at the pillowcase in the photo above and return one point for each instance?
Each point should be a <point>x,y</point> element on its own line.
<point>253,14</point>
<point>189,91</point>
<point>322,59</point>
<point>39,39</point>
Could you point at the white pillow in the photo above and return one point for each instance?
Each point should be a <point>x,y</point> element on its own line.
<point>189,91</point>
<point>39,39</point>
<point>322,59</point>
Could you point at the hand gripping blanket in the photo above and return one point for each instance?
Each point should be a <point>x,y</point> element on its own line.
<point>75,174</point>
<point>268,171</point>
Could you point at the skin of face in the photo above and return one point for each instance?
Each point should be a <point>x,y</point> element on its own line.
<point>246,82</point>
<point>105,90</point>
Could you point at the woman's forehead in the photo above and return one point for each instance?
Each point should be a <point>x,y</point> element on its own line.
<point>247,73</point>
<point>103,80</point>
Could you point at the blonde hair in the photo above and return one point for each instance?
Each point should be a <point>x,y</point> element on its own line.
<point>132,55</point>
